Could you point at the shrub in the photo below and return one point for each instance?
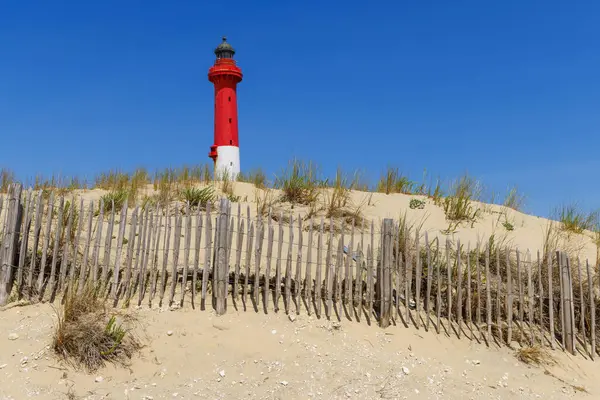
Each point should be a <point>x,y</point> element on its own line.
<point>417,204</point>
<point>88,336</point>
<point>198,197</point>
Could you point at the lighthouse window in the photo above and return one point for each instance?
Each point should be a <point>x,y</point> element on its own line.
<point>231,164</point>
<point>231,142</point>
<point>229,120</point>
<point>229,98</point>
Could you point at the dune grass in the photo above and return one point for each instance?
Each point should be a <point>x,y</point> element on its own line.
<point>88,334</point>
<point>392,181</point>
<point>458,205</point>
<point>574,220</point>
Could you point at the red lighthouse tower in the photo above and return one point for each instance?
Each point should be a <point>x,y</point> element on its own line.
<point>225,75</point>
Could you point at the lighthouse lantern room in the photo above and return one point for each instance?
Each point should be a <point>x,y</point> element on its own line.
<point>225,75</point>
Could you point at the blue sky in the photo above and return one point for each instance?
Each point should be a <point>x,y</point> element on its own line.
<point>508,91</point>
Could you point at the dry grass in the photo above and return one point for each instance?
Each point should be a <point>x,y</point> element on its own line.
<point>514,199</point>
<point>392,181</point>
<point>574,220</point>
<point>534,355</point>
<point>88,335</point>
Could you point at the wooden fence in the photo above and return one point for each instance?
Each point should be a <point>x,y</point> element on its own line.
<point>367,273</point>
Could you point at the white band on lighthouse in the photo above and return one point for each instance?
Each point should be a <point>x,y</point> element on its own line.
<point>228,162</point>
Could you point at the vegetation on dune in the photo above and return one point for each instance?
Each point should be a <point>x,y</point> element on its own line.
<point>88,335</point>
<point>302,184</point>
<point>299,183</point>
<point>575,220</point>
<point>197,197</point>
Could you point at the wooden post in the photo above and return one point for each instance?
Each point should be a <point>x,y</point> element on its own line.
<point>383,274</point>
<point>448,287</point>
<point>86,251</point>
<point>47,233</point>
<point>592,310</point>
<point>278,263</point>
<point>581,307</point>
<point>550,301</point>
<point>488,287</point>
<point>509,298</point>
<point>567,304</point>
<point>221,265</point>
<point>459,304</point>
<point>298,280</point>
<point>530,295</point>
<point>319,274</point>
<point>308,273</point>
<point>24,241</point>
<point>8,251</point>
<point>36,238</point>
<point>267,287</point>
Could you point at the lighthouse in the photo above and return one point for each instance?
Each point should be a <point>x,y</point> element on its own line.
<point>225,75</point>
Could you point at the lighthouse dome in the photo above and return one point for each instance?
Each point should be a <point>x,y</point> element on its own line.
<point>224,50</point>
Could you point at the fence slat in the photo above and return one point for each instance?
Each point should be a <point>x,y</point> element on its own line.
<point>129,257</point>
<point>551,301</point>
<point>328,271</point>
<point>155,271</point>
<point>488,287</point>
<point>198,243</point>
<point>448,287</point>
<point>108,245</point>
<point>86,249</point>
<point>298,279</point>
<point>429,281</point>
<point>176,247</point>
<point>308,283</point>
<point>96,255</point>
<point>147,245</point>
<point>319,276</point>
<point>24,239</point>
<point>592,310</point>
<point>530,294</point>
<point>55,246</point>
<point>47,234</point>
<point>222,264</point>
<point>122,224</point>
<point>36,239</point>
<point>278,263</point>
<point>208,251</point>
<point>370,272</point>
<point>248,258</point>
<point>288,267</point>
<point>258,258</point>
<point>64,264</point>
<point>459,304</point>
<point>521,300</point>
<point>581,308</point>
<point>478,286</point>
<point>167,240</point>
<point>186,251</point>
<point>418,278</point>
<point>509,297</point>
<point>267,287</point>
<point>469,306</point>
<point>72,270</point>
<point>339,268</point>
<point>238,255</point>
<point>499,298</point>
